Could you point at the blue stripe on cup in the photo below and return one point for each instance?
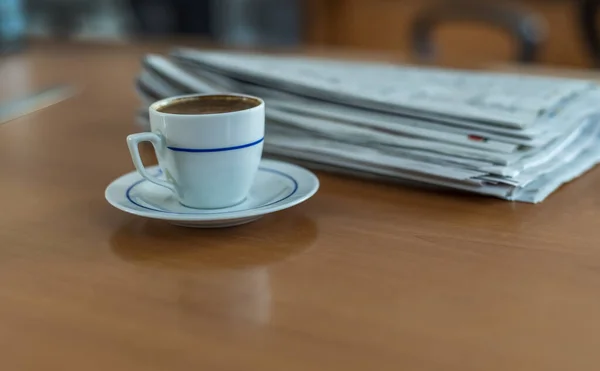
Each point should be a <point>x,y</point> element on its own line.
<point>223,149</point>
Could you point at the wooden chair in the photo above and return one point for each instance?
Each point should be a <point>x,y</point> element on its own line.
<point>588,13</point>
<point>522,25</point>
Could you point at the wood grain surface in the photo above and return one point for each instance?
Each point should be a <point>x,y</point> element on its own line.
<point>364,276</point>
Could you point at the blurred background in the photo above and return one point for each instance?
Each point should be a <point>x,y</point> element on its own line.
<point>452,32</point>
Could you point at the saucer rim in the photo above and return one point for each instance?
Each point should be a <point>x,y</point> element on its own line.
<point>211,211</point>
<point>307,175</point>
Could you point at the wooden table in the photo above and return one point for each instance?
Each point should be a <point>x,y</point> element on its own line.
<point>364,276</point>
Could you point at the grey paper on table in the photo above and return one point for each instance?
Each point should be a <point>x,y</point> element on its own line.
<point>508,136</point>
<point>15,108</point>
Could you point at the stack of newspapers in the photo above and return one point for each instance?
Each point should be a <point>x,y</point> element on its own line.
<point>509,136</point>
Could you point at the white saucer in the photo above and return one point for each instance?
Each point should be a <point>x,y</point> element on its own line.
<point>278,185</point>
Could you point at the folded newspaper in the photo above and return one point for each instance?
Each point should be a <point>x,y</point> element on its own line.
<point>510,136</point>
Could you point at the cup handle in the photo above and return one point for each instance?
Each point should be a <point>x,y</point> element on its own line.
<point>158,143</point>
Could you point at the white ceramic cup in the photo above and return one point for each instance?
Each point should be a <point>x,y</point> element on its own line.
<point>209,159</point>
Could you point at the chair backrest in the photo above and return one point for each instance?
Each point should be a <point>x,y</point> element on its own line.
<point>524,26</point>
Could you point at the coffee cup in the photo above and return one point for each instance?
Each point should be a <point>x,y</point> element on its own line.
<point>208,146</point>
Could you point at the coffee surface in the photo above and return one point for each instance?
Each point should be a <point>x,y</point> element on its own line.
<point>208,105</point>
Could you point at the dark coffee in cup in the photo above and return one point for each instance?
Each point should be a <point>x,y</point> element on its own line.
<point>209,104</point>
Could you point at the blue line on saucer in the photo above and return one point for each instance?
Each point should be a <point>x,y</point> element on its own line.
<point>131,187</point>
<point>223,149</point>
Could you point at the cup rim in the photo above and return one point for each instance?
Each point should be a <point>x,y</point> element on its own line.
<point>153,107</point>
